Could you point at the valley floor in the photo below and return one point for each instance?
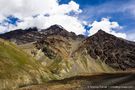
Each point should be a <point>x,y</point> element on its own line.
<point>119,81</point>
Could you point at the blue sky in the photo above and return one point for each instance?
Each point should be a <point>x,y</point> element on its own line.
<point>89,11</point>
<point>96,13</point>
<point>97,9</point>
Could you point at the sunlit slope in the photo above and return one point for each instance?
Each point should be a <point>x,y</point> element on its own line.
<point>18,69</point>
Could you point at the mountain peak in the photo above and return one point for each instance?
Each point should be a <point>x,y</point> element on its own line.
<point>102,35</point>
<point>54,29</point>
<point>101,31</point>
<point>56,26</point>
<point>59,30</point>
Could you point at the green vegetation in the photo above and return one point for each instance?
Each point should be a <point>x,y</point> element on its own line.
<point>18,68</point>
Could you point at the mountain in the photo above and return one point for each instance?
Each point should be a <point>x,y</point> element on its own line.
<point>57,51</point>
<point>62,54</point>
<point>114,51</point>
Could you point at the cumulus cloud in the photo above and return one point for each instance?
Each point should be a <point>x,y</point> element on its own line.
<point>47,12</point>
<point>108,26</point>
<point>24,8</point>
<point>42,22</point>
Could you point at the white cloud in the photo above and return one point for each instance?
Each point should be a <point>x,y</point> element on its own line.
<point>131,35</point>
<point>57,14</point>
<point>68,22</point>
<point>66,8</point>
<point>27,7</point>
<point>108,26</point>
<point>2,29</point>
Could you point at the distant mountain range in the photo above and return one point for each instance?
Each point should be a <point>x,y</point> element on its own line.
<point>61,54</point>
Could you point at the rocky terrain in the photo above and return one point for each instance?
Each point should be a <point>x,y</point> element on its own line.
<point>62,54</point>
